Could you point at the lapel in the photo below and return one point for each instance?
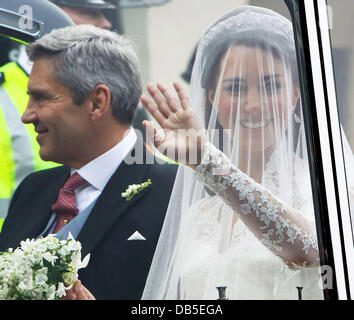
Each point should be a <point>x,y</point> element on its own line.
<point>110,205</point>
<point>35,223</point>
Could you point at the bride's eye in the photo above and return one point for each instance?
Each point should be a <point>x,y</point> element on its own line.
<point>270,86</point>
<point>235,88</point>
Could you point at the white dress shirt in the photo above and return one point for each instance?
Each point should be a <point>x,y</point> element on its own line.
<point>98,171</point>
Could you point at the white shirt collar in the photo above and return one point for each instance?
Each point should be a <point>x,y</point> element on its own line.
<point>98,171</point>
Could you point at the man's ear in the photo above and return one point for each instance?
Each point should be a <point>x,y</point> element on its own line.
<point>100,101</point>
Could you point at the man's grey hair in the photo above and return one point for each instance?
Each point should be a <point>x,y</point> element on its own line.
<point>85,56</point>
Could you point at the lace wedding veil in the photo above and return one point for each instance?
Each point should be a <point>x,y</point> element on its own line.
<point>245,90</point>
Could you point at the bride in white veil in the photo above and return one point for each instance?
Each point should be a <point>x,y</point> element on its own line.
<point>241,212</point>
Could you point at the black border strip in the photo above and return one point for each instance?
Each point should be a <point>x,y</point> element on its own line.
<point>297,9</point>
<point>331,143</point>
<point>339,121</point>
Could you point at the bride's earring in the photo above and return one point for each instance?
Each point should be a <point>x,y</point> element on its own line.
<point>297,118</point>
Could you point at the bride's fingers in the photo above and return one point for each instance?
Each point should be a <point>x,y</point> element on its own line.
<point>159,100</point>
<point>152,135</point>
<point>182,95</point>
<point>153,109</point>
<point>172,100</point>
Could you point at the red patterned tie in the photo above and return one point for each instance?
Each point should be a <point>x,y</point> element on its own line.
<point>65,207</point>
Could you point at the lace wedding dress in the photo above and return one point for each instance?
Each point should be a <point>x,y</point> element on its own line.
<point>250,261</point>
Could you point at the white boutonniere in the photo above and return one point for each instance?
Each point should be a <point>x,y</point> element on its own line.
<point>134,189</point>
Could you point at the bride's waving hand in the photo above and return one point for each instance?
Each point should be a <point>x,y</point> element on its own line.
<point>183,137</point>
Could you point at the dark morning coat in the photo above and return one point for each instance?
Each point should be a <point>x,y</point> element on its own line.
<point>118,268</point>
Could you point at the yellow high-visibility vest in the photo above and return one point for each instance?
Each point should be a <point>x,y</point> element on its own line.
<point>19,149</point>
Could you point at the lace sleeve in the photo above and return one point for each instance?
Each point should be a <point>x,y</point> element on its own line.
<point>282,229</point>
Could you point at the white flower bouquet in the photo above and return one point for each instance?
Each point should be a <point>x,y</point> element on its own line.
<point>41,269</point>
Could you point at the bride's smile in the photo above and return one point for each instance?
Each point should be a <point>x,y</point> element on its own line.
<point>255,96</point>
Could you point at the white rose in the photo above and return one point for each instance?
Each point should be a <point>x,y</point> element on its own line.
<point>63,251</point>
<point>40,278</point>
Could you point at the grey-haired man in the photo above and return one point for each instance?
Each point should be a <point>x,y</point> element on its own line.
<point>84,89</point>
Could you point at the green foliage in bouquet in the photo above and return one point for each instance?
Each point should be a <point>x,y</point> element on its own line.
<point>41,269</point>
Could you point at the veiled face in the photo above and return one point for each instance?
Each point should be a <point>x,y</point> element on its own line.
<point>254,96</point>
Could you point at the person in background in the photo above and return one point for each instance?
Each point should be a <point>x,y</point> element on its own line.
<point>88,11</point>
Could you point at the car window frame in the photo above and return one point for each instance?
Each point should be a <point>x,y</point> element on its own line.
<point>324,144</point>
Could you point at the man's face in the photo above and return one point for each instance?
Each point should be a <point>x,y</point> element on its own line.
<point>87,16</point>
<point>63,127</point>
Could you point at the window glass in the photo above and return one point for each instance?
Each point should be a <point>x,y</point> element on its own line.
<point>247,95</point>
<point>255,237</point>
<point>341,18</point>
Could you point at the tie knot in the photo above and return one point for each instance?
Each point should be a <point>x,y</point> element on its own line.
<point>74,182</point>
<point>65,206</point>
